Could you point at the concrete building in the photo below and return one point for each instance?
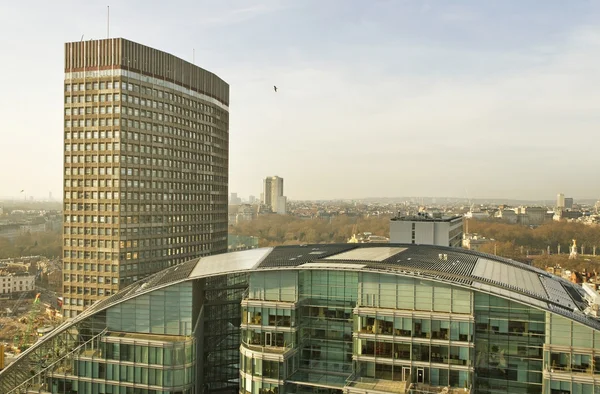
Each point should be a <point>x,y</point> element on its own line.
<point>281,206</point>
<point>475,242</point>
<point>234,199</point>
<point>11,283</point>
<point>334,319</point>
<point>507,215</point>
<point>534,216</point>
<point>480,215</point>
<point>146,142</point>
<point>245,213</point>
<point>560,201</point>
<point>568,203</point>
<point>423,229</point>
<point>273,196</point>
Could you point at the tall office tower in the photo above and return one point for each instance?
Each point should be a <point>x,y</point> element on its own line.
<point>273,193</point>
<point>568,203</point>
<point>145,166</point>
<point>560,200</point>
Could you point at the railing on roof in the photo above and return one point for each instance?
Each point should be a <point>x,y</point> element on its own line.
<point>36,382</point>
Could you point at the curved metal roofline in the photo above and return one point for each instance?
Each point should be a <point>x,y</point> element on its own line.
<point>323,256</point>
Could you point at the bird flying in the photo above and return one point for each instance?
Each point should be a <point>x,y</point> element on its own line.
<point>275,88</point>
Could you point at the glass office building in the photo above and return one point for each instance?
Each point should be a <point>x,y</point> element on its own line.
<point>352,318</point>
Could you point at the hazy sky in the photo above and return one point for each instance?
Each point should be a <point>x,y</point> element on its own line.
<point>377,98</point>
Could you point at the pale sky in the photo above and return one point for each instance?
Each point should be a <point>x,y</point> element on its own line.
<point>496,99</point>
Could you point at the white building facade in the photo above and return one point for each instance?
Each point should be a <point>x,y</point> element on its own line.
<point>11,283</point>
<point>425,230</point>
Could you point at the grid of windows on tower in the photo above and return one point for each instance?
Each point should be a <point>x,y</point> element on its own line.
<point>145,183</point>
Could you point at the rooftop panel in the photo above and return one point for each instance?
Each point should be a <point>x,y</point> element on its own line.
<point>367,254</point>
<point>229,262</point>
<point>508,276</point>
<point>291,256</point>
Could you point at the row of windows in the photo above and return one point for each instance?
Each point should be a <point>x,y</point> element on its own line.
<point>88,98</point>
<point>93,122</point>
<point>131,244</point>
<point>147,149</point>
<point>193,195</point>
<point>90,267</point>
<point>168,354</point>
<point>202,136</point>
<point>88,290</point>
<point>143,137</point>
<point>109,183</point>
<point>219,222</point>
<point>92,159</point>
<point>134,208</point>
<point>134,219</point>
<point>92,147</point>
<point>122,268</point>
<point>102,98</point>
<point>442,354</point>
<point>416,328</point>
<point>90,85</point>
<point>147,91</point>
<point>89,279</point>
<point>146,254</point>
<point>92,110</point>
<point>157,116</point>
<point>128,373</point>
<point>112,173</point>
<point>183,165</point>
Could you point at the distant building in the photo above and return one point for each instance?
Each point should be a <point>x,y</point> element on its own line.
<point>568,203</point>
<point>252,199</point>
<point>507,215</point>
<point>245,213</point>
<point>534,216</point>
<point>273,196</point>
<point>368,238</point>
<point>477,215</point>
<point>560,201</point>
<point>234,199</point>
<point>281,206</point>
<point>16,283</point>
<point>424,229</point>
<point>475,242</point>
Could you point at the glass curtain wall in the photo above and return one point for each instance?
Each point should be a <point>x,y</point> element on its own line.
<point>509,342</point>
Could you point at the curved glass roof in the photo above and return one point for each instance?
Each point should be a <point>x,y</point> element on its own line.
<point>478,271</point>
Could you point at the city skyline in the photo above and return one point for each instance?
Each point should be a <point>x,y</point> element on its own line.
<point>492,98</point>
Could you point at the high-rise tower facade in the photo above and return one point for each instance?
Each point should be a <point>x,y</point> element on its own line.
<point>273,194</point>
<point>146,152</point>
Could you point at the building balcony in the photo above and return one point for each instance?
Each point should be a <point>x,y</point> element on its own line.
<point>359,384</point>
<point>420,388</point>
<point>281,350</point>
